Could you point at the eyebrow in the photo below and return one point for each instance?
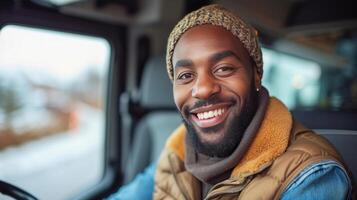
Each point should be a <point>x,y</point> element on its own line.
<point>223,54</point>
<point>213,59</point>
<point>184,62</point>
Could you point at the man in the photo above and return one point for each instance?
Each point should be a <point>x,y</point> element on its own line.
<point>236,141</point>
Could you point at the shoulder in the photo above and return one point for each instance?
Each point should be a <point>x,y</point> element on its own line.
<point>305,149</point>
<point>323,180</point>
<point>305,140</point>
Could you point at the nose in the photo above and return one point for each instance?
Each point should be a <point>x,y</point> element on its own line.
<point>205,87</point>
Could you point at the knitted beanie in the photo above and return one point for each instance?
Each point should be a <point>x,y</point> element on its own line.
<point>218,16</point>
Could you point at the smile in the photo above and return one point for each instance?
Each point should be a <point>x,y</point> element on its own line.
<point>211,115</point>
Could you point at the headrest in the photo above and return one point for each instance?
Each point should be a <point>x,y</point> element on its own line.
<point>156,87</point>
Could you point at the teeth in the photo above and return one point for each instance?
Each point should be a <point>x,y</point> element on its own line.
<point>205,115</point>
<point>210,114</point>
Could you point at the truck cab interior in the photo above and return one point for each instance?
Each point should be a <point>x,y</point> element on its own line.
<point>86,103</point>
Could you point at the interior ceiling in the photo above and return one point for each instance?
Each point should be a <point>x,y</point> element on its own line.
<point>61,2</point>
<point>288,17</point>
<point>317,24</point>
<point>322,24</point>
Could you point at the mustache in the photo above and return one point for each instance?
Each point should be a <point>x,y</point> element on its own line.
<point>206,102</point>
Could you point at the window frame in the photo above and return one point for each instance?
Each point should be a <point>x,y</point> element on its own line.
<point>51,19</point>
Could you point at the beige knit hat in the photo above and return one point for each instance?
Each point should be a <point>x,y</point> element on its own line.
<point>218,16</point>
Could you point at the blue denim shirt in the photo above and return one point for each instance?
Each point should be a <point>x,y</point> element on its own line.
<point>324,180</point>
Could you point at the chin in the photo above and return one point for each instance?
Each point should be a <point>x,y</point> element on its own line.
<point>211,137</point>
<point>216,141</point>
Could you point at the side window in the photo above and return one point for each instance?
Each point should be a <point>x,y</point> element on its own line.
<point>295,81</point>
<point>52,110</point>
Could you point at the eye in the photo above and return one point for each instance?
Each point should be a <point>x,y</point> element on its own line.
<point>225,70</point>
<point>185,77</point>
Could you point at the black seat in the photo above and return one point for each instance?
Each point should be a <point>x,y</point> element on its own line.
<point>327,119</point>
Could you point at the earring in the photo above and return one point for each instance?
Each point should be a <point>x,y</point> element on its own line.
<point>257,89</point>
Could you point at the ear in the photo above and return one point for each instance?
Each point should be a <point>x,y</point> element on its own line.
<point>257,79</point>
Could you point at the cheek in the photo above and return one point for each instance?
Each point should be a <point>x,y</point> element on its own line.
<point>181,95</point>
<point>241,88</point>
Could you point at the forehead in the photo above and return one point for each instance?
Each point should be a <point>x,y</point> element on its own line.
<point>204,40</point>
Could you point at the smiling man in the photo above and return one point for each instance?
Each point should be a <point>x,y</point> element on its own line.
<point>236,141</point>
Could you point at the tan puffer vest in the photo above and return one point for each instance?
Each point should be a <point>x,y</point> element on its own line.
<point>280,151</point>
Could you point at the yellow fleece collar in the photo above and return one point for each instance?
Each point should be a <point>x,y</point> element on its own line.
<point>270,142</point>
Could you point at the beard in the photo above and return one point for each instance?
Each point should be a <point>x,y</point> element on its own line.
<point>234,127</point>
